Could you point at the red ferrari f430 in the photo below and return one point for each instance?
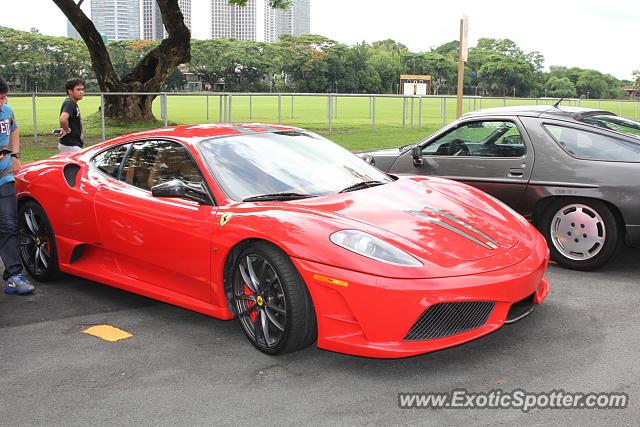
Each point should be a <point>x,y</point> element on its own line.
<point>297,238</point>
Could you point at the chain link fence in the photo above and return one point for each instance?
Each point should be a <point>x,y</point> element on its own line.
<point>38,113</point>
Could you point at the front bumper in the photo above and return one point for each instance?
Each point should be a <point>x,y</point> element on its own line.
<point>367,315</point>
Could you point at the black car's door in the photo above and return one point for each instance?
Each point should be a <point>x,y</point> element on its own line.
<point>492,154</point>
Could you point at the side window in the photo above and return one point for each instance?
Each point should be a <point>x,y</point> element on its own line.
<point>479,139</point>
<point>593,146</point>
<point>109,161</point>
<point>153,162</point>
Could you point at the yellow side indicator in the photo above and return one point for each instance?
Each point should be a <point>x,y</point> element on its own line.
<point>107,333</point>
<point>225,218</point>
<point>331,280</point>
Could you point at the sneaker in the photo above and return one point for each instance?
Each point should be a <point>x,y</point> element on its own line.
<point>18,284</point>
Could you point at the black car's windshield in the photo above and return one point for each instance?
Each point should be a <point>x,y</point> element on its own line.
<point>289,163</point>
<point>616,123</point>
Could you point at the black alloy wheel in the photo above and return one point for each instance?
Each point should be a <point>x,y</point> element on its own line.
<point>271,300</point>
<point>37,242</point>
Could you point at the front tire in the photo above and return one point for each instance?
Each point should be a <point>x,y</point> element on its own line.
<point>271,301</point>
<point>38,250</point>
<point>583,234</point>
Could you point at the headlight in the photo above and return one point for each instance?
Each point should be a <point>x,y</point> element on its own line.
<point>371,247</point>
<point>508,208</point>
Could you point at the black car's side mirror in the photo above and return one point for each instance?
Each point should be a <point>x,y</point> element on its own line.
<point>177,188</point>
<point>416,153</point>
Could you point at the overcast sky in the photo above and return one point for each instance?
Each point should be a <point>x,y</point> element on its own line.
<point>595,34</point>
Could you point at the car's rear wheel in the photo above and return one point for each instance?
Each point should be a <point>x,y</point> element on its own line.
<point>271,301</point>
<point>583,234</point>
<point>38,250</point>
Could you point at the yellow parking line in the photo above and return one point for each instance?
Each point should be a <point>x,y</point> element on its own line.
<point>107,333</point>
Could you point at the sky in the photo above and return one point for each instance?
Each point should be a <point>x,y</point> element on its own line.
<point>593,34</point>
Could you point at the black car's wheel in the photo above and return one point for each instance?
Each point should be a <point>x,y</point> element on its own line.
<point>37,242</point>
<point>582,234</point>
<point>271,300</point>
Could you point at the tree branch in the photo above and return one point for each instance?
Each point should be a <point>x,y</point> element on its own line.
<point>159,63</point>
<point>102,66</point>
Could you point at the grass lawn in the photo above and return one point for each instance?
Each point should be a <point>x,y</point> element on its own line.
<point>351,124</point>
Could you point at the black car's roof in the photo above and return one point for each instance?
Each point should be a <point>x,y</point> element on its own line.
<point>575,113</point>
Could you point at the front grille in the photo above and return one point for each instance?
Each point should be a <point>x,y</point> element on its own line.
<point>70,172</point>
<point>451,318</point>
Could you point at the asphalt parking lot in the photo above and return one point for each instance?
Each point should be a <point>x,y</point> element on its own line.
<point>183,368</point>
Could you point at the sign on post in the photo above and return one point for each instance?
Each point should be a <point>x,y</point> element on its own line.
<point>415,84</point>
<point>462,58</point>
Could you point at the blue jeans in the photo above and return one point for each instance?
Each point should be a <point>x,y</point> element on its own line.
<point>9,243</point>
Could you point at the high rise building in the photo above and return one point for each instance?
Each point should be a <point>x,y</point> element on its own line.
<point>152,27</point>
<point>117,19</point>
<point>296,20</point>
<point>230,21</point>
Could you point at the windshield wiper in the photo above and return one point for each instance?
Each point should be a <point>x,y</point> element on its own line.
<point>277,196</point>
<point>361,185</point>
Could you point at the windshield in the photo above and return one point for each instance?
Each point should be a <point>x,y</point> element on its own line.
<point>616,123</point>
<point>291,162</point>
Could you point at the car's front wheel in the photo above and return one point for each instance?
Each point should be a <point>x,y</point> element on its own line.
<point>37,242</point>
<point>583,234</point>
<point>271,301</point>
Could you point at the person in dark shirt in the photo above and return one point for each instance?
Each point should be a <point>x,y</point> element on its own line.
<point>72,138</point>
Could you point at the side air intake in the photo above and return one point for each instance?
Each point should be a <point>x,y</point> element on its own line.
<point>70,172</point>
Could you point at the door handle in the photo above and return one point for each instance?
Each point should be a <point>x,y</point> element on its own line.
<point>516,172</point>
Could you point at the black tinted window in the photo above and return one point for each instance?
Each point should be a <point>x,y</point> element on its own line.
<point>479,139</point>
<point>153,162</point>
<point>594,146</point>
<point>109,161</point>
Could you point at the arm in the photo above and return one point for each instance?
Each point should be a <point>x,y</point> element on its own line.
<point>64,123</point>
<point>14,145</point>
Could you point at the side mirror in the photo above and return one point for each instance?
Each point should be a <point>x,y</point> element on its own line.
<point>177,188</point>
<point>416,153</point>
<point>368,158</point>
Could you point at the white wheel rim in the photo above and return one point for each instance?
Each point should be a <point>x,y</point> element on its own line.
<point>578,232</point>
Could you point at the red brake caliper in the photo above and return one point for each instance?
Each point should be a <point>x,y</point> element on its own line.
<point>253,315</point>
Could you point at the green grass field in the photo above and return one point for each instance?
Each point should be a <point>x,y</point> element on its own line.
<point>351,125</point>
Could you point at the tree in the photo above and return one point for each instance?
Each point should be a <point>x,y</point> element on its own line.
<point>559,87</point>
<point>591,83</point>
<point>41,62</point>
<point>503,74</point>
<point>151,72</point>
<point>387,57</point>
<point>505,46</point>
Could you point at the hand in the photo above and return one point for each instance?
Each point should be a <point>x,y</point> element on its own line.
<point>59,132</point>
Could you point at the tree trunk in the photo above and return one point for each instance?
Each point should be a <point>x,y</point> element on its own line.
<point>149,74</point>
<point>129,108</point>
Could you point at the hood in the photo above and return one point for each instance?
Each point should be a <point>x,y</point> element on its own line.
<point>430,217</point>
